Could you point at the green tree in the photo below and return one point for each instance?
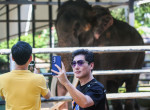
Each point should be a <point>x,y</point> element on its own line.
<point>118,14</point>
<point>142,14</point>
<point>41,41</point>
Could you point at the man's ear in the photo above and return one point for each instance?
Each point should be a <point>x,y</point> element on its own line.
<point>92,65</point>
<point>12,58</point>
<point>30,59</point>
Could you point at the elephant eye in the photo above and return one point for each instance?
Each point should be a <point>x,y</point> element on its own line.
<point>76,29</point>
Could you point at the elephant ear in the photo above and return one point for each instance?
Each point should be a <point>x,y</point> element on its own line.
<point>102,24</point>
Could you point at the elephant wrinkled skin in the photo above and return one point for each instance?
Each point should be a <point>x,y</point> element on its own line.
<point>80,25</point>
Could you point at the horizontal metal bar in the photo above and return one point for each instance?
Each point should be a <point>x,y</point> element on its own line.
<point>26,21</point>
<point>144,79</point>
<point>108,49</point>
<point>132,95</point>
<point>56,3</point>
<point>122,72</point>
<point>57,98</point>
<point>108,3</point>
<point>110,96</point>
<point>110,72</point>
<point>144,86</point>
<point>27,3</point>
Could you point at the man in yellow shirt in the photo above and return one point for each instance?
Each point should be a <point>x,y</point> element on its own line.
<point>21,88</point>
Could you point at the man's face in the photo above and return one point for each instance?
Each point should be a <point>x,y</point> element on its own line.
<point>80,67</point>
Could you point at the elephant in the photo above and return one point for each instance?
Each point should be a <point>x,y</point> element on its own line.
<point>79,24</point>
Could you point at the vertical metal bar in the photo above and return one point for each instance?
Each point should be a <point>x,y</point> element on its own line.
<point>19,23</point>
<point>7,29</point>
<point>50,27</point>
<point>7,24</point>
<point>131,12</point>
<point>33,27</point>
<point>50,35</point>
<point>59,3</point>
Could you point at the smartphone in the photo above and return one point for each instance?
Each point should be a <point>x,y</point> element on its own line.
<point>56,60</point>
<point>31,66</point>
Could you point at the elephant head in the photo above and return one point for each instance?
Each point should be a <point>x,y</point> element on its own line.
<point>81,22</point>
<point>102,20</point>
<point>73,20</point>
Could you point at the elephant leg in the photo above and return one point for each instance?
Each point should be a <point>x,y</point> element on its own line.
<point>131,104</point>
<point>131,84</point>
<point>117,105</point>
<point>102,79</point>
<point>136,105</point>
<point>112,87</point>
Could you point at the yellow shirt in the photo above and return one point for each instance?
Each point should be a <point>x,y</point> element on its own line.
<point>22,90</point>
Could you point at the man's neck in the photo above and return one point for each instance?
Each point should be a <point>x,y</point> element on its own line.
<point>85,80</point>
<point>21,67</point>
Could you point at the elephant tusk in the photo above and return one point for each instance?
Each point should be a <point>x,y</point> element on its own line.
<point>96,35</point>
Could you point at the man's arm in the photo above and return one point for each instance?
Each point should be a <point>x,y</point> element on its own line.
<point>82,100</point>
<point>48,95</point>
<point>45,88</point>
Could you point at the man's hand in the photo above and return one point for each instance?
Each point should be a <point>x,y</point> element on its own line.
<point>35,71</point>
<point>61,75</point>
<point>3,97</point>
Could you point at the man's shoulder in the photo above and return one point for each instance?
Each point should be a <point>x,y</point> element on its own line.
<point>38,75</point>
<point>96,86</point>
<point>4,74</point>
<point>94,82</point>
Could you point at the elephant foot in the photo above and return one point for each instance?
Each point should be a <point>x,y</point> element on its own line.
<point>130,105</point>
<point>137,106</point>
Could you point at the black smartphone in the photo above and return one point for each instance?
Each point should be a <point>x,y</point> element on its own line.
<point>31,66</point>
<point>56,60</point>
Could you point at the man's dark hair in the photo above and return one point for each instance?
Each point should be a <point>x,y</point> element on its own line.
<point>21,52</point>
<point>89,56</point>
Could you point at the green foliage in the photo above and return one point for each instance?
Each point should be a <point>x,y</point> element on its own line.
<point>137,25</point>
<point>3,45</point>
<point>3,58</point>
<point>142,14</point>
<point>118,14</point>
<point>41,41</point>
